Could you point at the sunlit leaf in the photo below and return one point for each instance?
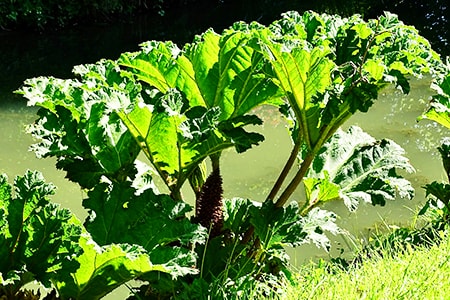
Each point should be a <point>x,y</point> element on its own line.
<point>364,169</point>
<point>37,238</point>
<point>302,74</point>
<point>102,269</point>
<point>439,110</point>
<point>316,223</point>
<point>155,222</point>
<point>77,123</point>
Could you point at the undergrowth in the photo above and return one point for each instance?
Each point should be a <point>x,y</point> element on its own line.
<point>404,264</point>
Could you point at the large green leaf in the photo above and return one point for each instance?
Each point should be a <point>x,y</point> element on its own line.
<point>220,73</point>
<point>176,140</point>
<point>77,123</point>
<point>278,227</point>
<point>213,71</point>
<point>40,241</point>
<point>102,269</point>
<point>37,238</point>
<point>329,67</point>
<point>355,167</point>
<point>227,72</point>
<point>237,214</point>
<point>157,129</point>
<point>155,64</point>
<point>155,222</point>
<point>302,74</point>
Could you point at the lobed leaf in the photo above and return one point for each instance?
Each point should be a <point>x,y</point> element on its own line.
<point>316,222</point>
<point>37,238</point>
<point>77,123</point>
<point>277,227</point>
<point>439,110</point>
<point>359,169</point>
<point>302,74</point>
<point>155,222</point>
<point>102,269</point>
<point>346,61</point>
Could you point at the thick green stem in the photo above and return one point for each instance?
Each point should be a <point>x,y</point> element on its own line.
<point>287,167</point>
<point>296,180</point>
<point>176,195</point>
<point>325,134</point>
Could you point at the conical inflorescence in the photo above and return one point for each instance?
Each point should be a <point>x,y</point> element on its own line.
<point>209,204</point>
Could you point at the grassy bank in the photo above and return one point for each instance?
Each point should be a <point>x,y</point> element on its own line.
<point>415,274</point>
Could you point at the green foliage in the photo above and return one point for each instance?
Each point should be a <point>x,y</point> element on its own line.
<point>329,67</point>
<point>213,82</point>
<point>183,105</point>
<point>356,58</point>
<point>119,263</point>
<point>190,136</point>
<point>37,237</point>
<point>440,191</point>
<point>78,123</point>
<point>213,71</point>
<point>355,167</point>
<point>439,110</point>
<point>43,242</point>
<point>121,216</point>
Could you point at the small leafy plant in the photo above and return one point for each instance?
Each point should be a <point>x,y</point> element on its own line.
<point>182,107</point>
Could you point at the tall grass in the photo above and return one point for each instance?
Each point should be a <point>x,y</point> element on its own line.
<point>420,273</point>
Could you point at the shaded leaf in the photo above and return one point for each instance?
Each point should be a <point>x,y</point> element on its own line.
<point>277,227</point>
<point>236,214</point>
<point>439,190</point>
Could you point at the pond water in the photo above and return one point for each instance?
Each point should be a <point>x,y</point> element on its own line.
<point>249,175</point>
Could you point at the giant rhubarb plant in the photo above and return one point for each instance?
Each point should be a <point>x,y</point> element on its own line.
<point>181,106</point>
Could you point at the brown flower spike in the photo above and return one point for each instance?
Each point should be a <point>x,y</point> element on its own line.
<point>209,205</point>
